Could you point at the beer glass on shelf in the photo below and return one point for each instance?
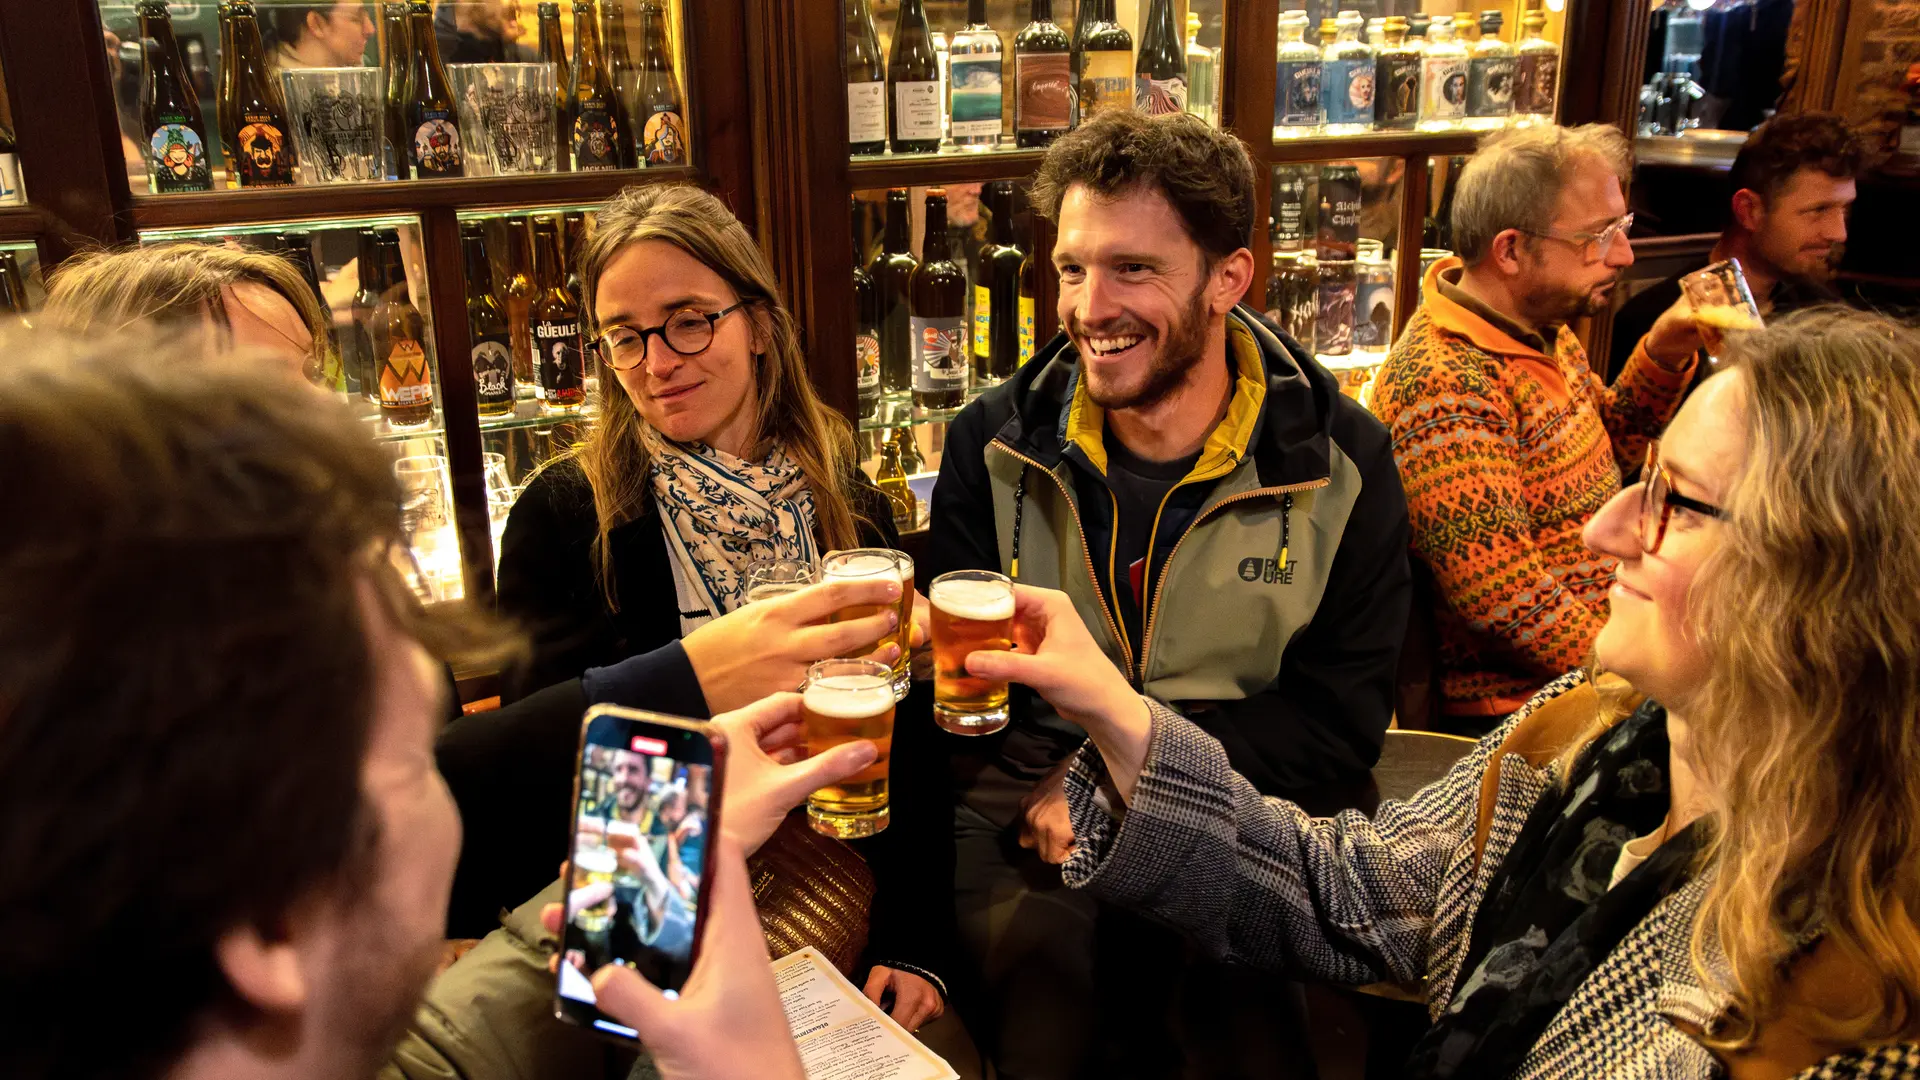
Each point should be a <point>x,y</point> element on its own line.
<point>335,116</point>
<point>847,700</point>
<point>866,564</point>
<point>972,610</point>
<point>595,866</point>
<point>768,578</point>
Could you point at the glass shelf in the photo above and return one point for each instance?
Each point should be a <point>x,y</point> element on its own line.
<point>224,232</point>
<point>528,414</point>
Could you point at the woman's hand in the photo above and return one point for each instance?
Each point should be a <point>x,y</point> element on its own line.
<point>1060,661</point>
<point>766,647</point>
<point>915,1000</point>
<point>767,772</point>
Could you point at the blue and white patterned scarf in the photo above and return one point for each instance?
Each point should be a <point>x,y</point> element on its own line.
<point>721,513</point>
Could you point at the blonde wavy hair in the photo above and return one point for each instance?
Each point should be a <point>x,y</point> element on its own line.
<point>788,411</point>
<point>1809,720</point>
<point>113,289</point>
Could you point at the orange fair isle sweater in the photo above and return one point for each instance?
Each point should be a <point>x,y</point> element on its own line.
<point>1505,453</point>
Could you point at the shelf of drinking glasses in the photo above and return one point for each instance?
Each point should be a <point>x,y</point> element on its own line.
<point>950,166</point>
<point>204,209</point>
<point>1372,144</point>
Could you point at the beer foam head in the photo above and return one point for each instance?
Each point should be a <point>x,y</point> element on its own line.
<point>849,697</point>
<point>982,601</point>
<point>596,861</point>
<point>863,568</point>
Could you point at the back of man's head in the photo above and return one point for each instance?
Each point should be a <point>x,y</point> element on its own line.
<point>1204,173</point>
<point>1784,145</point>
<point>1516,178</point>
<point>189,564</point>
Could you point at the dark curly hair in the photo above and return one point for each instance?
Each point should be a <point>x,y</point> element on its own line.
<point>1786,144</point>
<point>1206,174</point>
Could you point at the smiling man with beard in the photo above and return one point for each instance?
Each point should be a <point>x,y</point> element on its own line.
<point>1232,531</point>
<point>1507,441</point>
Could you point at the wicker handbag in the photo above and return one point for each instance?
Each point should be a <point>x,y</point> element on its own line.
<point>811,890</point>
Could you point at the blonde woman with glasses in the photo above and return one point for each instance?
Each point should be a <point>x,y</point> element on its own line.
<point>1704,864</point>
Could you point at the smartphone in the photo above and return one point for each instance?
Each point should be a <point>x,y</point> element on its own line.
<point>646,807</point>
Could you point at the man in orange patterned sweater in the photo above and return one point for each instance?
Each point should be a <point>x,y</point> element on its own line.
<point>1506,440</point>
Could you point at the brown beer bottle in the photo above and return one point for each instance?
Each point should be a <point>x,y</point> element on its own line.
<point>891,479</point>
<point>396,61</point>
<point>519,291</point>
<point>913,79</point>
<point>364,365</point>
<point>253,111</point>
<point>602,139</point>
<point>223,84</point>
<point>405,379</point>
<point>433,122</point>
<point>618,60</point>
<point>938,309</point>
<point>573,232</point>
<point>488,334</point>
<point>996,292</point>
<point>659,120</point>
<point>553,53</point>
<point>560,359</point>
<point>892,272</point>
<point>170,122</point>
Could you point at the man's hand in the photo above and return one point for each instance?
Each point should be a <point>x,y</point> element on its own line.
<point>1674,336</point>
<point>915,1000</point>
<point>768,773</point>
<point>727,1023</point>
<point>1058,658</point>
<point>766,648</point>
<point>1047,827</point>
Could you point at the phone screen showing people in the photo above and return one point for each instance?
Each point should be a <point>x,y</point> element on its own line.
<point>642,823</point>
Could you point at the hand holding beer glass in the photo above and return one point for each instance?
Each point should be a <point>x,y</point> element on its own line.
<point>847,701</point>
<point>972,611</point>
<point>768,578</point>
<point>875,564</point>
<point>1721,302</point>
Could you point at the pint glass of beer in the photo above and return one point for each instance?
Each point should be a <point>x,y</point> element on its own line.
<point>847,700</point>
<point>595,866</point>
<point>623,836</point>
<point>768,578</point>
<point>972,610</point>
<point>1721,302</point>
<point>866,564</point>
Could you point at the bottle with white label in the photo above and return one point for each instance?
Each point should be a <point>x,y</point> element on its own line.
<point>866,82</point>
<point>1443,79</point>
<point>975,82</point>
<point>913,79</point>
<point>1296,96</point>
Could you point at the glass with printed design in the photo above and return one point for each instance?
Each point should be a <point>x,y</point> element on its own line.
<point>768,578</point>
<point>848,700</point>
<point>867,564</point>
<point>972,610</point>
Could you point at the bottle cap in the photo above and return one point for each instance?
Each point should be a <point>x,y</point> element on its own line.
<point>1329,28</point>
<point>1193,22</point>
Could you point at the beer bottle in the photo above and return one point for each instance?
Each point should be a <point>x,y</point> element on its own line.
<point>297,248</point>
<point>659,120</point>
<point>975,73</point>
<point>553,53</point>
<point>617,59</point>
<point>487,329</point>
<point>866,337</point>
<point>560,364</point>
<point>519,297</point>
<point>573,230</point>
<point>368,265</point>
<point>13,286</point>
<point>405,378</point>
<point>176,136</point>
<point>223,83</point>
<point>433,122</point>
<point>601,136</point>
<point>910,460</point>
<point>892,270</point>
<point>1396,82</point>
<point>1160,71</point>
<point>1043,99</point>
<point>396,61</point>
<point>866,82</point>
<point>253,111</point>
<point>1106,66</point>
<point>891,479</point>
<point>913,74</point>
<point>937,310</point>
<point>996,292</point>
<point>1027,311</point>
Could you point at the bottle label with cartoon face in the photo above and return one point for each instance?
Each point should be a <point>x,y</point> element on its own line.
<point>596,138</point>
<point>436,144</point>
<point>177,156</point>
<point>493,370</point>
<point>665,139</point>
<point>262,154</point>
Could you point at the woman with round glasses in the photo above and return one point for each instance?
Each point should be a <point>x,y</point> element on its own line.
<point>1704,864</point>
<point>713,452</point>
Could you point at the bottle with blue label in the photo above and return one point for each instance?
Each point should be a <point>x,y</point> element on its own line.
<point>1296,95</point>
<point>1347,76</point>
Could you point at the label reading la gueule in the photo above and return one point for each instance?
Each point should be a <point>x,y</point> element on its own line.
<point>557,348</point>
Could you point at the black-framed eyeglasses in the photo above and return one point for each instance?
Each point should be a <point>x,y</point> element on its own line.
<point>1593,246</point>
<point>1657,500</point>
<point>688,332</point>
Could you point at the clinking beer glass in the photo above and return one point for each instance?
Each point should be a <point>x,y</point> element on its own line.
<point>867,564</point>
<point>972,610</point>
<point>1721,302</point>
<point>847,700</point>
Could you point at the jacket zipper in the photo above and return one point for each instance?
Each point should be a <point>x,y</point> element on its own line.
<point>1153,611</point>
<point>1092,575</point>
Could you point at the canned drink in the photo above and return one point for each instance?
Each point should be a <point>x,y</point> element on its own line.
<point>1373,300</point>
<point>1333,325</point>
<point>1338,236</point>
<point>1721,302</point>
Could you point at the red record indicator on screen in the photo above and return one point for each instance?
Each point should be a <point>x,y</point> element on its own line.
<point>644,745</point>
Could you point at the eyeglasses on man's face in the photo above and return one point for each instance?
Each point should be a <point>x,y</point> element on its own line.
<point>1593,246</point>
<point>688,332</point>
<point>1658,500</point>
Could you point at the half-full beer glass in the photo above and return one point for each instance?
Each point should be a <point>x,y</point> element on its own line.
<point>867,564</point>
<point>847,700</point>
<point>595,866</point>
<point>972,610</point>
<point>768,578</point>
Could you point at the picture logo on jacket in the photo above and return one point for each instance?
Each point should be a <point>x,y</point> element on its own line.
<point>1255,569</point>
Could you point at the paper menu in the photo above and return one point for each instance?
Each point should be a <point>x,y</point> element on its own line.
<point>842,1035</point>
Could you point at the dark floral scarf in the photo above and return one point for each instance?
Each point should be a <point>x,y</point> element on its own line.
<point>1548,919</point>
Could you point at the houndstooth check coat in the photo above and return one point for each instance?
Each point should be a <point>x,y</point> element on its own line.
<point>1355,900</point>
